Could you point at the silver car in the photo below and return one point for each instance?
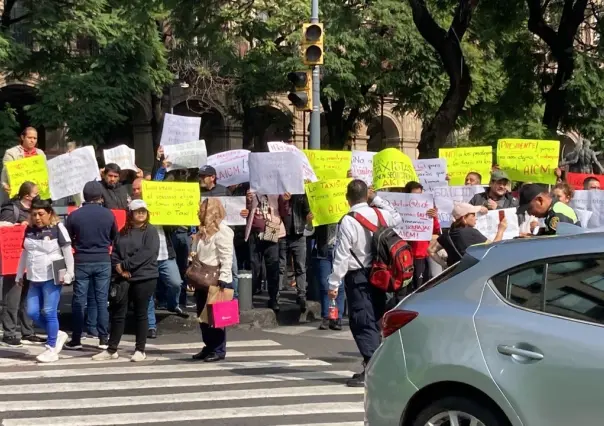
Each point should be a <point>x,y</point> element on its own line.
<point>511,335</point>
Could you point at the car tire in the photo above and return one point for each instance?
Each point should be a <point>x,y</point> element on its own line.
<point>483,413</point>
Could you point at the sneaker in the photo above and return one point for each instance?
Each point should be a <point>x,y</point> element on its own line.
<point>357,381</point>
<point>335,325</point>
<point>61,340</point>
<point>191,305</point>
<point>105,356</point>
<point>12,342</point>
<point>103,344</point>
<point>152,333</point>
<point>180,313</point>
<point>72,345</point>
<point>32,338</point>
<point>324,324</point>
<point>138,356</point>
<point>49,355</point>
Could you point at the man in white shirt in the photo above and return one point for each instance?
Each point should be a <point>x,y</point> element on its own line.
<point>366,304</point>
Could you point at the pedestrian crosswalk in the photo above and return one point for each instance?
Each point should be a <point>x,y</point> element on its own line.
<point>260,383</point>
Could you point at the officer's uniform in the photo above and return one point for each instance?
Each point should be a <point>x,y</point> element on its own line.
<point>559,212</point>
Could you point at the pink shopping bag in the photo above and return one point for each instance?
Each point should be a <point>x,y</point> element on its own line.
<point>224,314</point>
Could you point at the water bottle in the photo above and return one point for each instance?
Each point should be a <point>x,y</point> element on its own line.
<point>333,310</point>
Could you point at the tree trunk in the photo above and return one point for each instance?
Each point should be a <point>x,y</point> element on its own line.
<point>448,46</point>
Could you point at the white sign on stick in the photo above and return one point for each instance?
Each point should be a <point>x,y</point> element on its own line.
<point>121,155</point>
<point>233,207</point>
<point>431,172</point>
<point>592,201</point>
<point>445,196</point>
<point>188,155</point>
<point>68,173</point>
<point>488,223</point>
<point>179,129</point>
<point>416,225</point>
<point>308,171</point>
<point>231,166</point>
<point>275,173</point>
<point>362,166</point>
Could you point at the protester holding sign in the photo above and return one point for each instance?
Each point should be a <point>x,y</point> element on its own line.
<point>26,148</point>
<point>115,195</point>
<point>497,195</point>
<point>17,211</point>
<point>48,260</point>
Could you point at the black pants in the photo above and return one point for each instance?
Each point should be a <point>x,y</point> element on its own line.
<point>268,253</point>
<point>366,305</point>
<point>296,246</point>
<point>15,310</point>
<point>139,292</point>
<point>214,339</point>
<point>421,272</point>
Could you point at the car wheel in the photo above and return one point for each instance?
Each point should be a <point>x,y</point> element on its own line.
<point>455,411</point>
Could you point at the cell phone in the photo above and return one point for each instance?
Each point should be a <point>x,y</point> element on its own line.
<point>501,215</point>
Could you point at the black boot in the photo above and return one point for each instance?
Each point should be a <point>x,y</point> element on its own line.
<point>357,380</point>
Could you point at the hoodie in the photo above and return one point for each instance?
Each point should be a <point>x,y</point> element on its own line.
<point>137,251</point>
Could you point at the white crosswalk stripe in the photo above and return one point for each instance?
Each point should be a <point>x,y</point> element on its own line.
<point>260,383</point>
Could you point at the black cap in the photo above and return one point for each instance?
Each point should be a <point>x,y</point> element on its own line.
<point>528,194</point>
<point>207,171</point>
<point>92,191</point>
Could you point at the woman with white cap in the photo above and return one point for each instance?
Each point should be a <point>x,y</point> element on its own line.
<point>135,271</point>
<point>462,234</point>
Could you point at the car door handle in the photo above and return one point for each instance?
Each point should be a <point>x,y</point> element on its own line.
<point>523,353</point>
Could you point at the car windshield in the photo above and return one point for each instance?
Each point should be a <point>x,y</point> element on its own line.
<point>465,263</point>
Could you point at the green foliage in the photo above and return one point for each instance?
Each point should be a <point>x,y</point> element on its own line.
<point>9,127</point>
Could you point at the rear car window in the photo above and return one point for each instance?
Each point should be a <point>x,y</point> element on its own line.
<point>464,264</point>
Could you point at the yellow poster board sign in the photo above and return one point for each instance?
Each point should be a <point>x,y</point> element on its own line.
<point>32,169</point>
<point>461,161</point>
<point>327,200</point>
<point>392,169</point>
<point>172,203</point>
<point>329,164</point>
<point>529,160</point>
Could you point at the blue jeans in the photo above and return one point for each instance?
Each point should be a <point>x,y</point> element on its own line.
<point>91,287</point>
<point>169,277</point>
<point>235,272</point>
<point>42,303</point>
<point>323,267</point>
<point>181,242</point>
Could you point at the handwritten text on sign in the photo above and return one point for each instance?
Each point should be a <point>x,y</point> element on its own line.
<point>392,169</point>
<point>445,196</point>
<point>362,166</point>
<point>32,169</point>
<point>488,223</point>
<point>189,155</point>
<point>68,173</point>
<point>591,201</point>
<point>461,161</point>
<point>307,171</point>
<point>273,173</point>
<point>233,207</point>
<point>172,203</point>
<point>416,225</point>
<point>527,160</point>
<point>329,164</point>
<point>231,166</point>
<point>179,129</point>
<point>431,172</point>
<point>327,200</point>
<point>121,155</point>
<point>11,246</point>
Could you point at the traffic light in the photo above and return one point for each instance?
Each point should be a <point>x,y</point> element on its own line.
<point>312,44</point>
<point>301,97</point>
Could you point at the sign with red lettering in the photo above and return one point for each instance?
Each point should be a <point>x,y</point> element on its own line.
<point>231,166</point>
<point>120,216</point>
<point>413,208</point>
<point>576,179</point>
<point>11,246</point>
<point>528,160</point>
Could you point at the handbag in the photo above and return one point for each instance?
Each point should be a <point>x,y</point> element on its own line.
<point>202,276</point>
<point>271,227</point>
<point>223,313</point>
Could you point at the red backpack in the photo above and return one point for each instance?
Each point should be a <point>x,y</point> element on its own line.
<point>392,266</point>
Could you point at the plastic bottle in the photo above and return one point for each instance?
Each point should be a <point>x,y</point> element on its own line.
<point>333,310</point>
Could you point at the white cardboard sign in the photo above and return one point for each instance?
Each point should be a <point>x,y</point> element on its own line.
<point>68,173</point>
<point>275,173</point>
<point>179,129</point>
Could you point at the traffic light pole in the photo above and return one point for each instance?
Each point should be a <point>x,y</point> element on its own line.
<point>315,115</point>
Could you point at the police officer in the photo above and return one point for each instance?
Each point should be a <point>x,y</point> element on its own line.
<point>542,204</point>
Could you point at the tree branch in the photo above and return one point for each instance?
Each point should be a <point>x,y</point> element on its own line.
<point>537,25</point>
<point>17,20</point>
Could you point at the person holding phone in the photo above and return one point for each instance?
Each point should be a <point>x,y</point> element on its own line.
<point>46,241</point>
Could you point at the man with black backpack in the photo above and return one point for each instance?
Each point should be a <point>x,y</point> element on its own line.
<point>369,266</point>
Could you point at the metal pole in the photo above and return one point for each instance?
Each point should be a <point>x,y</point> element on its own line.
<point>315,116</point>
<point>171,100</point>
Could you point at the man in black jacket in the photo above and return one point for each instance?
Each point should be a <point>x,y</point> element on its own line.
<point>115,195</point>
<point>497,196</point>
<point>208,185</point>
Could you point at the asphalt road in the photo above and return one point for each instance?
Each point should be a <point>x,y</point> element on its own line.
<point>268,379</point>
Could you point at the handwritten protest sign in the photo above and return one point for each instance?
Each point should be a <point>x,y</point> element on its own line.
<point>232,207</point>
<point>327,200</point>
<point>445,196</point>
<point>461,161</point>
<point>416,225</point>
<point>576,179</point>
<point>487,224</point>
<point>362,166</point>
<point>11,246</point>
<point>273,173</point>
<point>592,201</point>
<point>307,170</point>
<point>431,172</point>
<point>392,169</point>
<point>121,155</point>
<point>172,203</point>
<point>178,129</point>
<point>329,164</point>
<point>32,169</point>
<point>68,173</point>
<point>528,160</point>
<point>188,155</point>
<point>231,166</point>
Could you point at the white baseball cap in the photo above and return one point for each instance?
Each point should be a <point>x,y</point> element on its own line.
<point>137,205</point>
